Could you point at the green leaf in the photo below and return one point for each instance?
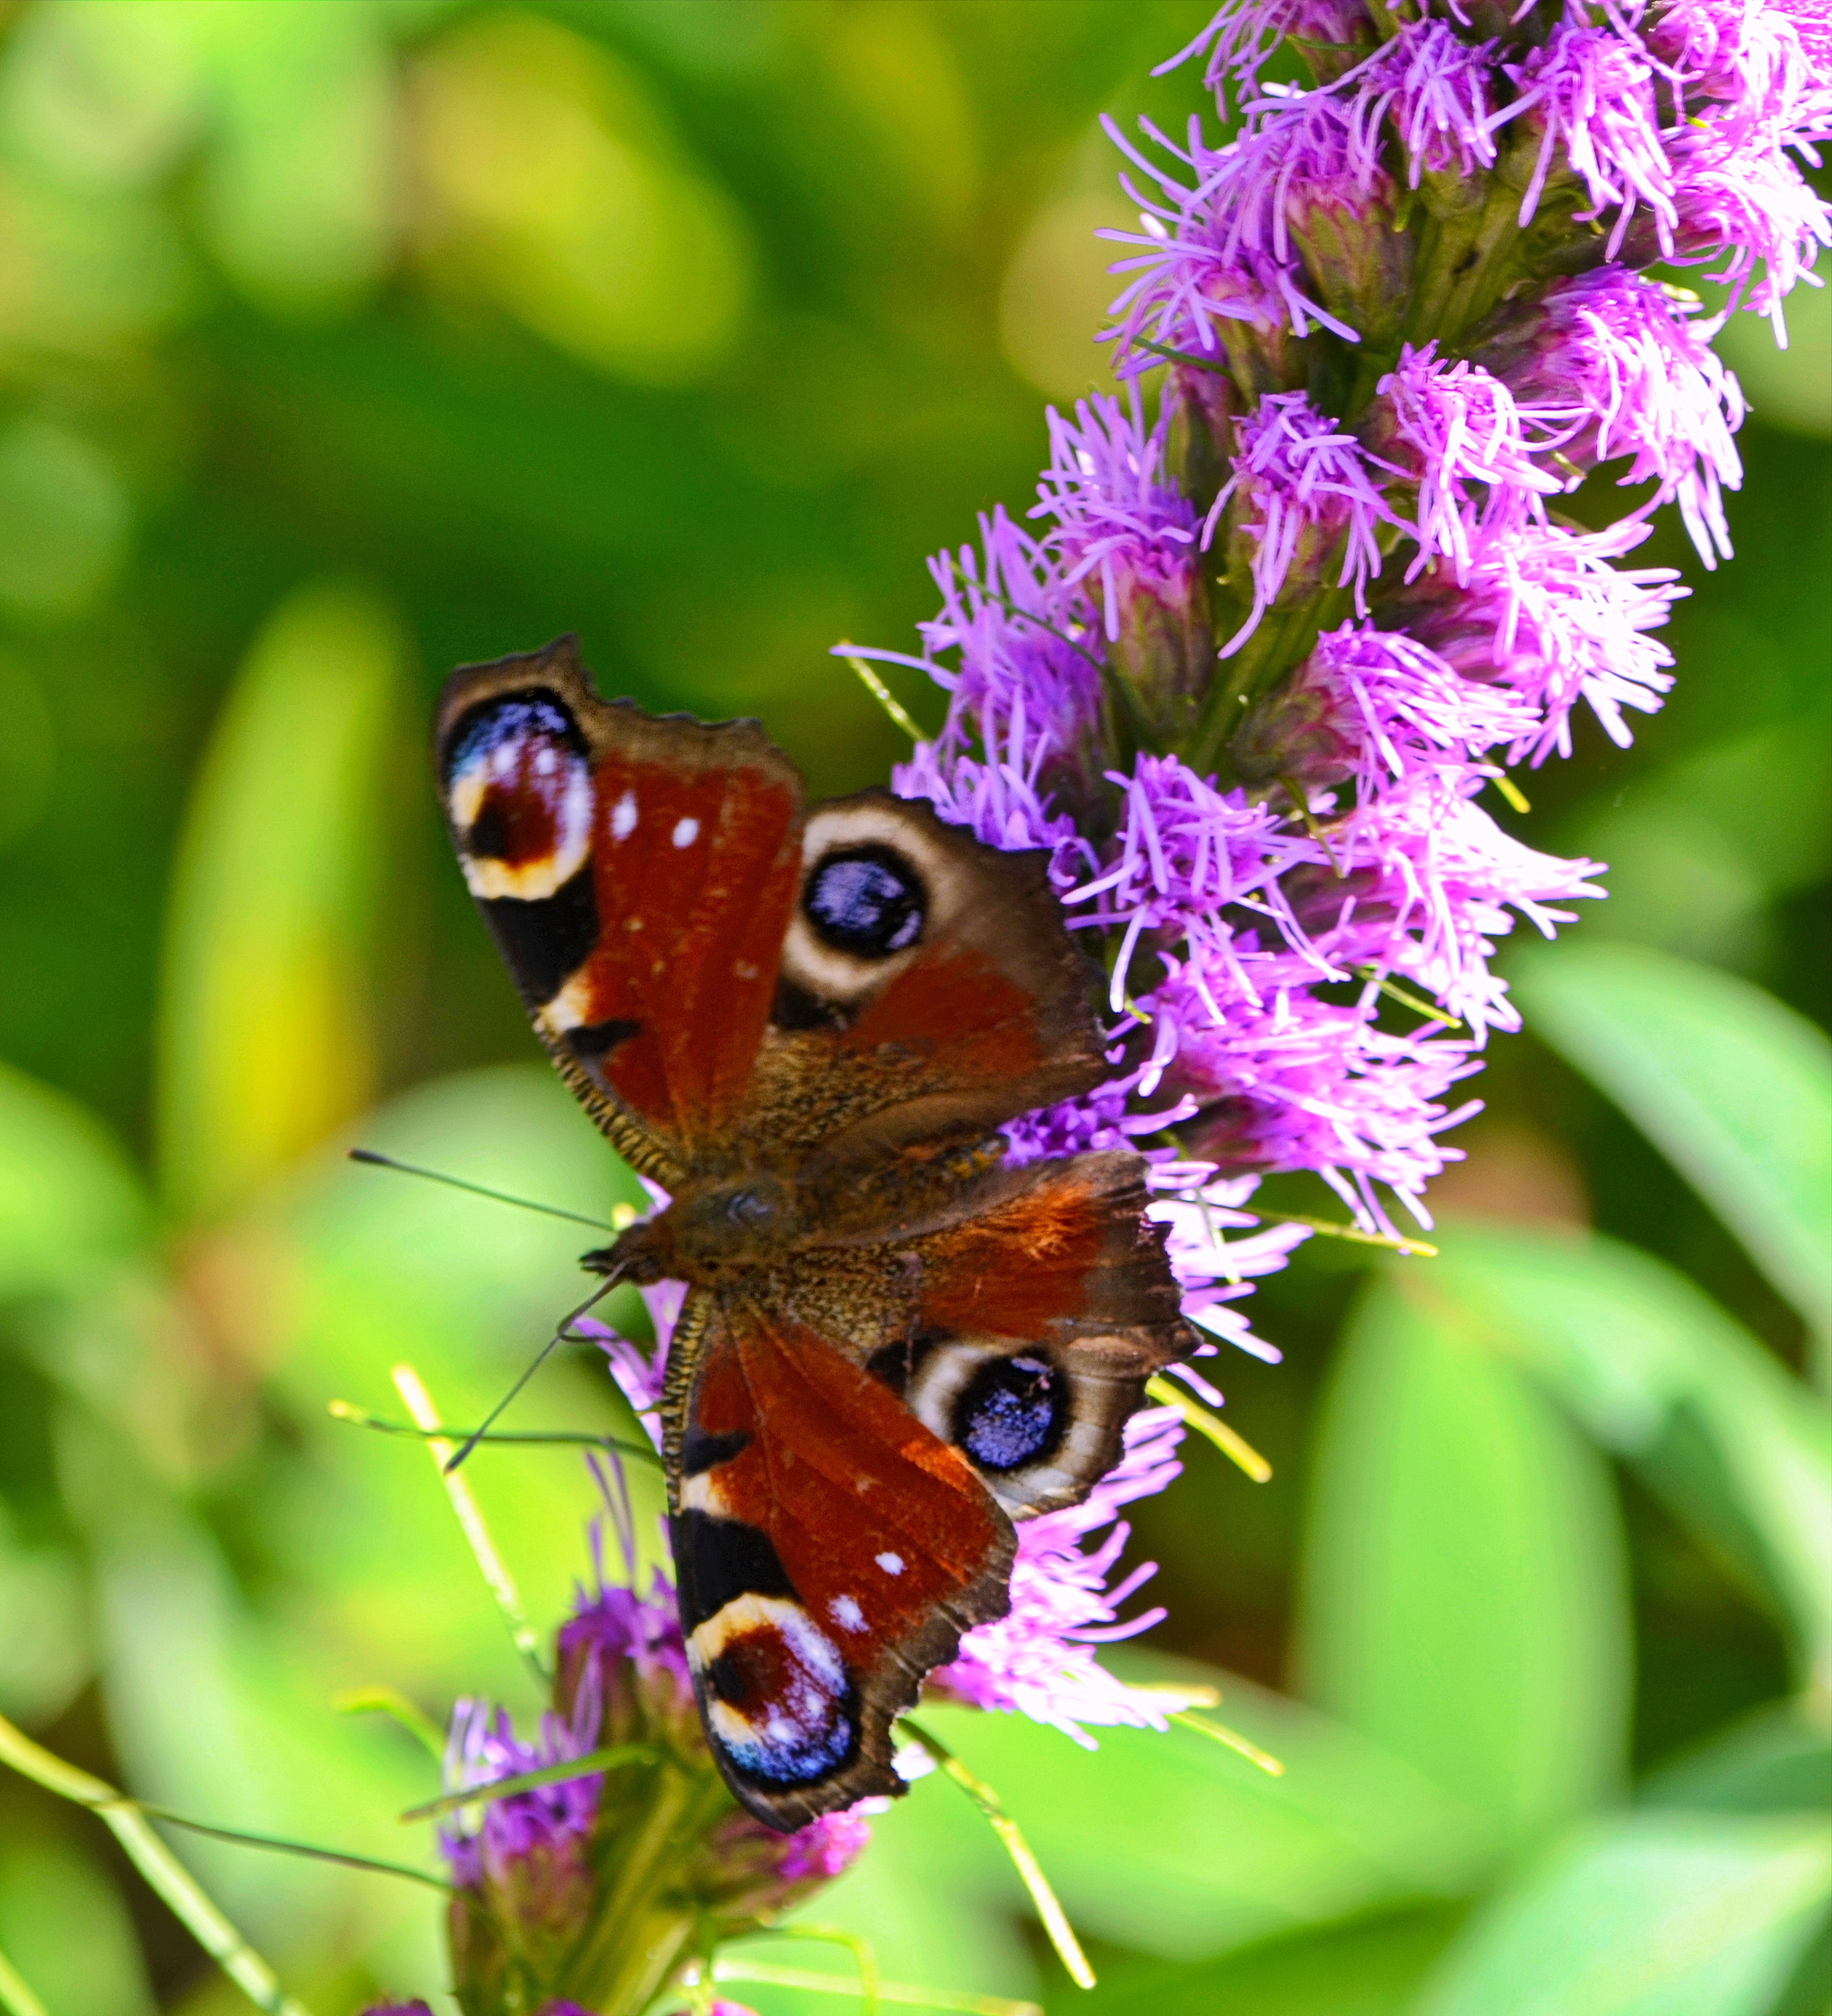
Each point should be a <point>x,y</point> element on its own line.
<point>1365,1966</point>
<point>1733,1087</point>
<point>1657,1373</point>
<point>64,1925</point>
<point>1464,1602</point>
<point>265,1039</point>
<point>70,1203</point>
<point>295,189</point>
<point>1173,1846</point>
<point>387,1268</point>
<point>1775,1759</point>
<point>1671,1914</point>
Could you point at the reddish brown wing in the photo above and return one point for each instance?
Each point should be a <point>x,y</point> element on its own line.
<point>829,1552</point>
<point>930,990</point>
<point>854,1446</point>
<point>638,875</point>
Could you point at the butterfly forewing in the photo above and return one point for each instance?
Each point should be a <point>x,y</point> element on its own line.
<point>638,875</point>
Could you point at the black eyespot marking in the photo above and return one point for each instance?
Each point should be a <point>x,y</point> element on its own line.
<point>1012,1413</point>
<point>700,1452</point>
<point>716,1559</point>
<point>794,1008</point>
<point>594,1042</point>
<point>532,716</point>
<point>545,941</point>
<point>890,1364</point>
<point>868,901</point>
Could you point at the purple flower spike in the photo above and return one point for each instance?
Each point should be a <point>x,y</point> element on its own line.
<point>1615,365</point>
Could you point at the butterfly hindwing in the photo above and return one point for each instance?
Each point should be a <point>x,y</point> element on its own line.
<point>829,1551</point>
<point>1039,1320</point>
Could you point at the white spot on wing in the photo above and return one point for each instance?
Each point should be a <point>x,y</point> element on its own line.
<point>623,817</point>
<point>846,1613</point>
<point>687,831</point>
<point>892,1565</point>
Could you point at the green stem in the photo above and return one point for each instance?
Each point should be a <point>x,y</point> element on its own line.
<point>168,1877</point>
<point>15,1997</point>
<point>634,1945</point>
<point>470,1518</point>
<point>1055,1919</point>
<point>766,1974</point>
<point>1285,634</point>
<point>1461,271</point>
<point>528,1781</point>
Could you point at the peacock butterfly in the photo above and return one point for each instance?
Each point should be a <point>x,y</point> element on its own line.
<point>809,1026</point>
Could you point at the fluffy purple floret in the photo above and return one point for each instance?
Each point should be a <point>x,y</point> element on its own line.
<point>1121,526</point>
<point>1459,437</point>
<point>1307,493</point>
<point>552,1820</point>
<point>1615,366</point>
<point>1590,96</point>
<point>828,1847</point>
<point>1436,91</point>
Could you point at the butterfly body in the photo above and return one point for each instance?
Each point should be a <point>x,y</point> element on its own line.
<point>809,1025</point>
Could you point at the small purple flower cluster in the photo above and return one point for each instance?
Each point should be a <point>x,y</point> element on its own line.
<point>534,1870</point>
<point>1257,674</point>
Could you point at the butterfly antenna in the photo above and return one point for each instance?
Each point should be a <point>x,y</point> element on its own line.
<point>376,1160</point>
<point>561,1332</point>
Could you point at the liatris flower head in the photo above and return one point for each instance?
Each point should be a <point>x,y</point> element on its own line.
<point>1389,322</point>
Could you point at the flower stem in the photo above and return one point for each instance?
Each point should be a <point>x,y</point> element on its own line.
<point>417,1403</point>
<point>1236,1449</point>
<point>168,1876</point>
<point>1231,1739</point>
<point>15,1997</point>
<point>766,1975</point>
<point>1055,1922</point>
<point>635,1943</point>
<point>528,1781</point>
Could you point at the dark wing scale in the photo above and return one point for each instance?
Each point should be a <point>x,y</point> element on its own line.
<point>829,1553</point>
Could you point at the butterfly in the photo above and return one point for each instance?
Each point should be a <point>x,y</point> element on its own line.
<point>808,1025</point>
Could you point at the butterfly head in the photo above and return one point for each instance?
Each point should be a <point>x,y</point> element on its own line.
<point>711,1232</point>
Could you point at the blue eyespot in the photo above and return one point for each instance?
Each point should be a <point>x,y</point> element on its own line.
<point>868,901</point>
<point>1012,1413</point>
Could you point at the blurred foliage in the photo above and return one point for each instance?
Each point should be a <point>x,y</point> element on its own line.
<point>341,343</point>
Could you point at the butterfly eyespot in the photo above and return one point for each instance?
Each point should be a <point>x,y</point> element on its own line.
<point>778,1700</point>
<point>867,901</point>
<point>1011,1412</point>
<point>518,786</point>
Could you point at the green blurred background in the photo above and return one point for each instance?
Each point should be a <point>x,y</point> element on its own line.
<point>344,342</point>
